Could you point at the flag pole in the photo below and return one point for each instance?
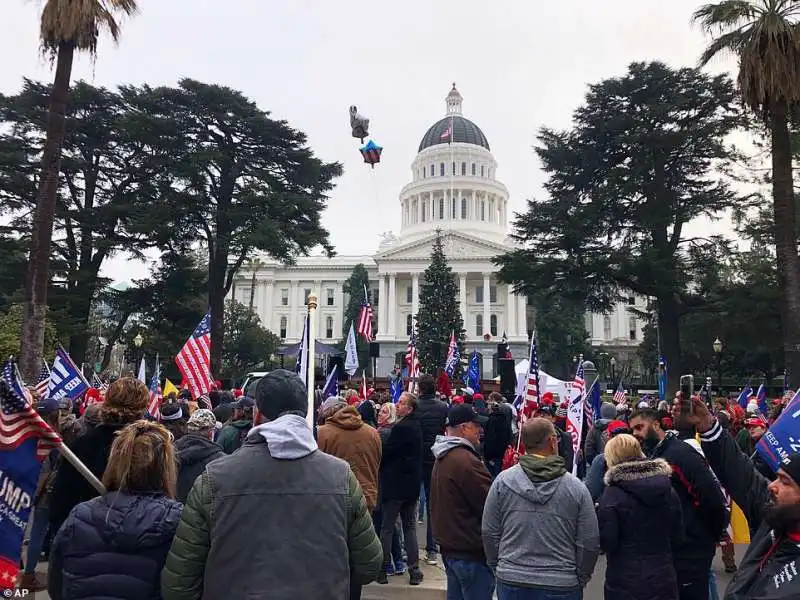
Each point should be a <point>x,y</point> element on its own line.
<point>312,309</point>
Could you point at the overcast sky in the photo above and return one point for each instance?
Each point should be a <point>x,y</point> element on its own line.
<point>519,64</point>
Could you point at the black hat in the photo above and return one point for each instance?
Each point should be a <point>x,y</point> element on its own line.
<point>464,413</point>
<point>279,392</point>
<point>791,464</point>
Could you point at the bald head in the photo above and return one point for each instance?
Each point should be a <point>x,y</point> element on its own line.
<point>539,436</point>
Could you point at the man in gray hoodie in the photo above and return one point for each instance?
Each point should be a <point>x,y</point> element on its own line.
<point>544,520</point>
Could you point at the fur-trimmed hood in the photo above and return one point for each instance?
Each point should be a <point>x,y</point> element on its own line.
<point>646,480</point>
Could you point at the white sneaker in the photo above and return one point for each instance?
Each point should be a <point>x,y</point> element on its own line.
<point>430,558</point>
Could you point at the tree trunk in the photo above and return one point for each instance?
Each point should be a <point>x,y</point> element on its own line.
<point>785,240</point>
<point>253,289</point>
<point>33,320</point>
<point>668,325</point>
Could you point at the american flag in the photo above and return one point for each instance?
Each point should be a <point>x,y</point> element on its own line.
<point>365,318</point>
<point>19,421</point>
<point>194,359</point>
<point>412,361</point>
<point>447,132</point>
<point>620,395</point>
<point>154,405</point>
<point>532,384</point>
<point>453,356</point>
<point>43,381</point>
<point>579,386</point>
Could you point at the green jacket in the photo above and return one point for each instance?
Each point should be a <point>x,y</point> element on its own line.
<point>183,576</point>
<point>232,436</point>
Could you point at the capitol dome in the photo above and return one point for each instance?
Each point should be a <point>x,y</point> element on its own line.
<point>463,130</point>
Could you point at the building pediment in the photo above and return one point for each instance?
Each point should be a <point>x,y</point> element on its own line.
<point>457,246</point>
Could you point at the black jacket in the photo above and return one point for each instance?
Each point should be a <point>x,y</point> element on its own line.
<point>195,451</point>
<point>565,450</point>
<point>640,555</point>
<point>401,462</point>
<point>497,433</point>
<point>776,578</point>
<point>705,512</point>
<point>432,415</point>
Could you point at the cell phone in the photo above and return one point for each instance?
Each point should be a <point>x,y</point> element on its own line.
<point>687,391</point>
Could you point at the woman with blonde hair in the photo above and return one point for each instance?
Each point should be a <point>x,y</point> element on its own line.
<point>115,546</point>
<point>640,523</point>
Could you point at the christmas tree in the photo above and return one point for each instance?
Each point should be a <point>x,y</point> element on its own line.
<point>439,312</point>
<point>354,287</point>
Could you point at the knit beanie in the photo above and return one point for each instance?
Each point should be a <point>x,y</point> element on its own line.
<point>791,464</point>
<point>279,392</point>
<point>607,411</point>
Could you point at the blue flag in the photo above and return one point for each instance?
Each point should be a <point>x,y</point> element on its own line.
<point>783,438</point>
<point>396,388</point>
<point>331,384</point>
<point>473,376</point>
<point>744,397</point>
<point>66,380</point>
<point>662,379</point>
<point>595,401</point>
<point>761,399</point>
<point>301,368</point>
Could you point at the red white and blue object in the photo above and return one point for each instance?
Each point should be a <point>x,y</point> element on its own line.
<point>154,405</point>
<point>43,381</point>
<point>412,362</point>
<point>365,319</point>
<point>25,441</point>
<point>66,379</point>
<point>620,395</point>
<point>194,359</point>
<point>453,356</point>
<point>371,153</point>
<point>331,384</point>
<point>783,438</point>
<point>532,383</point>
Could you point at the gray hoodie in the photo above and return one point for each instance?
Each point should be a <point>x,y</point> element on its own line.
<point>539,526</point>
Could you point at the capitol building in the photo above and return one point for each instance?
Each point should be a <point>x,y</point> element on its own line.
<point>454,188</point>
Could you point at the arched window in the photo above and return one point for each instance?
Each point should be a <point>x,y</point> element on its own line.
<point>479,325</point>
<point>493,325</point>
<point>441,207</point>
<point>483,210</point>
<point>607,328</point>
<point>482,167</point>
<point>463,168</point>
<point>453,208</point>
<point>424,206</point>
<point>441,169</point>
<point>284,321</point>
<point>473,168</point>
<point>463,208</point>
<point>433,170</point>
<point>409,325</point>
<point>329,327</point>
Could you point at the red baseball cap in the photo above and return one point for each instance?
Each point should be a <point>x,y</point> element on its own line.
<point>617,426</point>
<point>754,423</point>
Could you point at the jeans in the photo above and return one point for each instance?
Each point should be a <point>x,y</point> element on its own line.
<point>430,543</point>
<point>355,591</point>
<point>693,579</point>
<point>39,527</point>
<point>422,498</point>
<point>397,536</point>
<point>713,593</point>
<point>511,592</point>
<point>407,509</point>
<point>468,580</point>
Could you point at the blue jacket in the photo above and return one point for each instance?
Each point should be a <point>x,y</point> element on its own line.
<point>113,548</point>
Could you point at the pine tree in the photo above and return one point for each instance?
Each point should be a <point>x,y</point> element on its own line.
<point>439,311</point>
<point>354,287</point>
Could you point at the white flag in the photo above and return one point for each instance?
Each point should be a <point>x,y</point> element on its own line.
<point>351,360</point>
<point>575,425</point>
<point>142,377</point>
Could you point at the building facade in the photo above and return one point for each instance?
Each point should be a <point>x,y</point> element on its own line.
<point>454,189</point>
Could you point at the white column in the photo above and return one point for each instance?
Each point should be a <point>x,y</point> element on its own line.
<point>316,288</point>
<point>382,312</point>
<point>419,207</point>
<point>266,306</point>
<point>295,312</point>
<point>462,297</point>
<point>511,313</point>
<point>522,321</point>
<point>486,279</point>
<point>414,294</point>
<point>392,304</point>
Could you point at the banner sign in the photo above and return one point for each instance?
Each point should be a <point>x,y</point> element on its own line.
<point>66,380</point>
<point>783,438</point>
<point>575,427</point>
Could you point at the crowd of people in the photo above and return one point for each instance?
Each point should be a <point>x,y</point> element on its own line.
<point>240,497</point>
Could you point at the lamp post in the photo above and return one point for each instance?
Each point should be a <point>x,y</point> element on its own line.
<point>717,345</point>
<point>613,363</point>
<point>138,341</point>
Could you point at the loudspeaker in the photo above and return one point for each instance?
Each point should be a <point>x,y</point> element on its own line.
<point>508,378</point>
<point>374,350</point>
<point>333,362</point>
<point>436,350</point>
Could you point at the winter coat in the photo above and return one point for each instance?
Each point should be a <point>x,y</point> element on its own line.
<point>70,488</point>
<point>255,520</point>
<point>459,485</point>
<point>346,436</point>
<point>636,512</point>
<point>195,451</point>
<point>113,547</point>
<point>432,415</point>
<point>703,505</point>
<point>539,526</point>
<point>233,436</point>
<point>769,568</point>
<point>401,463</point>
<point>596,440</point>
<point>497,433</point>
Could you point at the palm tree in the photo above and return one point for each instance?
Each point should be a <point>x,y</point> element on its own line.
<point>67,26</point>
<point>765,36</point>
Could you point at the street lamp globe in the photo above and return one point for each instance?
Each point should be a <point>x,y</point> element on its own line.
<point>613,361</point>
<point>138,340</point>
<point>717,346</point>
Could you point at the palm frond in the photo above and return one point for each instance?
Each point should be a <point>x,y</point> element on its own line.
<point>723,15</point>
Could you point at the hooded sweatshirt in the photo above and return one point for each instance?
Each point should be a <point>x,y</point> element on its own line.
<point>459,485</point>
<point>539,526</point>
<point>595,441</point>
<point>195,451</point>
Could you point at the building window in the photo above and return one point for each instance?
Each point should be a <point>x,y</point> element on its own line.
<point>441,169</point>
<point>331,296</point>
<point>441,207</point>
<point>409,294</point>
<point>452,208</point>
<point>632,329</point>
<point>329,327</point>
<point>375,296</point>
<point>283,328</point>
<point>409,325</point>
<point>284,296</point>
<point>493,294</point>
<point>454,168</point>
<point>306,294</point>
<point>473,168</point>
<point>424,206</point>
<point>483,210</point>
<point>479,294</point>
<point>631,300</point>
<point>493,325</point>
<point>479,325</point>
<point>463,208</point>
<point>482,167</point>
<point>606,328</point>
<point>433,170</point>
<point>463,168</point>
